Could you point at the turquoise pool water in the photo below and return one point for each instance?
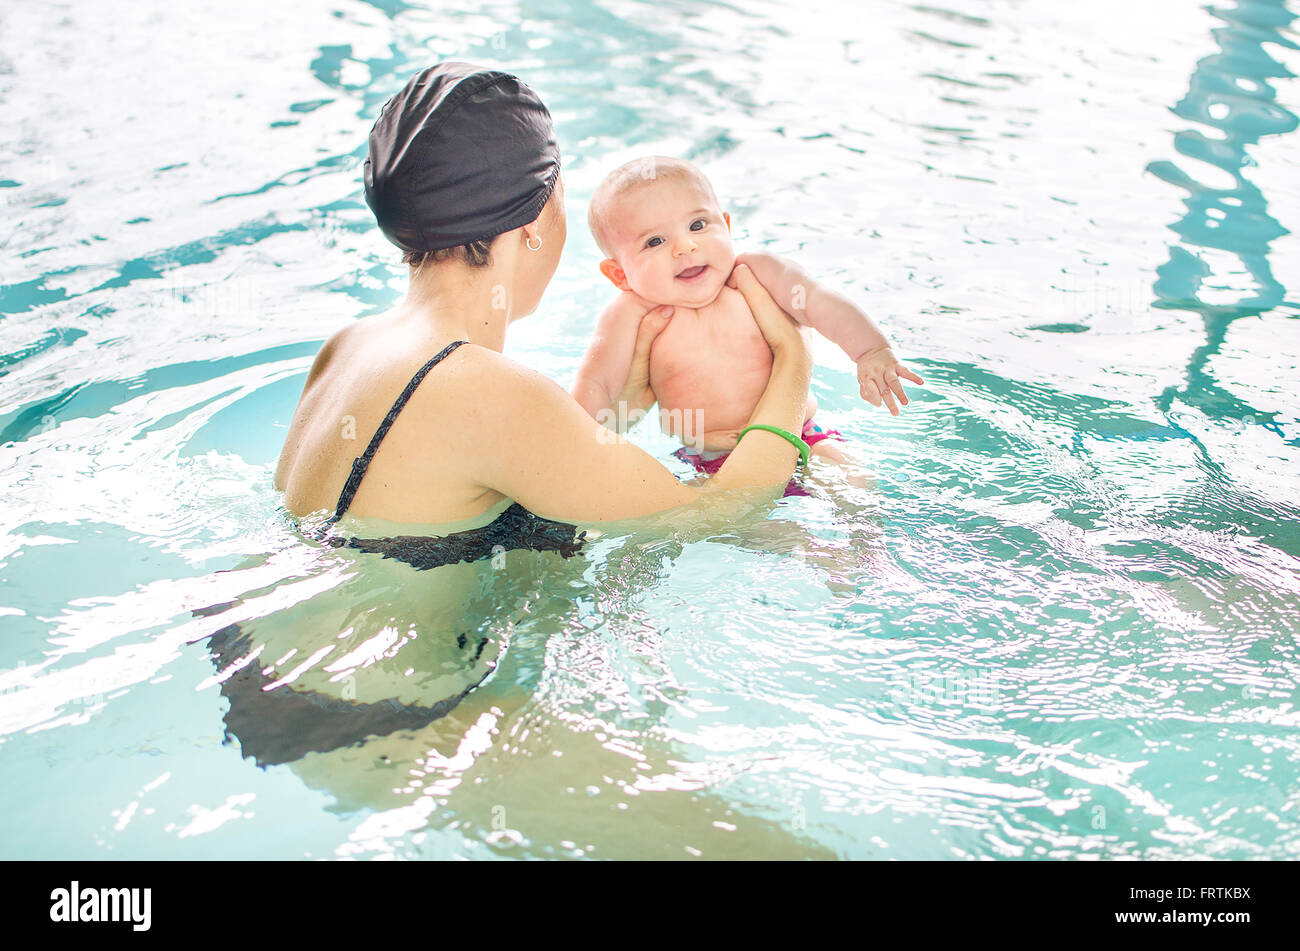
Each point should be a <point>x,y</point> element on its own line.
<point>1062,623</point>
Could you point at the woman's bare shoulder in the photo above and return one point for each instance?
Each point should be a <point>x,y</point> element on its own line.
<point>482,383</point>
<point>330,360</point>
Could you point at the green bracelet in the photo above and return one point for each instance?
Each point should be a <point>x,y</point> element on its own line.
<point>791,438</point>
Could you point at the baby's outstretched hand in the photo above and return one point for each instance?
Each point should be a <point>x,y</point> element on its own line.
<point>878,378</point>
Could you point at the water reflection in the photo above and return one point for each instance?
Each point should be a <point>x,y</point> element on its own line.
<point>1229,94</point>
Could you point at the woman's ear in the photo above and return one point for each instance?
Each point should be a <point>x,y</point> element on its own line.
<point>609,267</point>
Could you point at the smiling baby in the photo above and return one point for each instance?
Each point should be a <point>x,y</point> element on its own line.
<point>667,242</point>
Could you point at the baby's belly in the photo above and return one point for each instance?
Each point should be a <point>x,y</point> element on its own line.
<point>708,370</point>
<point>706,406</point>
<point>694,410</point>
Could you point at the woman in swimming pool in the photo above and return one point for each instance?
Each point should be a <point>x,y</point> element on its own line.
<point>464,176</point>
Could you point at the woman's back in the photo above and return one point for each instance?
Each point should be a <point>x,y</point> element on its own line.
<point>417,472</point>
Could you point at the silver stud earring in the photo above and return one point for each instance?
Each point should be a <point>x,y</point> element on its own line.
<point>529,244</point>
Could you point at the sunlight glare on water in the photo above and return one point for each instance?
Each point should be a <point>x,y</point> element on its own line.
<point>1061,623</point>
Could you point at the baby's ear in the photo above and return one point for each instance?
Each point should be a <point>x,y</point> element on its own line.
<point>609,267</point>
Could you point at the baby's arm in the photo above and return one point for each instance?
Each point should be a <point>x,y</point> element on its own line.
<point>838,319</point>
<point>618,351</point>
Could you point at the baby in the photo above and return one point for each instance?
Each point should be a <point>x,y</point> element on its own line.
<point>667,241</point>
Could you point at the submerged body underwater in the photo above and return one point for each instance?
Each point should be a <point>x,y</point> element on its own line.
<point>1060,622</point>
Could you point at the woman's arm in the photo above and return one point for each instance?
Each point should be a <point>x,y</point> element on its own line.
<point>539,447</point>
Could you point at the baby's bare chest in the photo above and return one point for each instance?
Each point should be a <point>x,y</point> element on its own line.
<point>721,339</point>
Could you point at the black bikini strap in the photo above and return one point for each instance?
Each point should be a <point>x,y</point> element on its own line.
<point>362,462</point>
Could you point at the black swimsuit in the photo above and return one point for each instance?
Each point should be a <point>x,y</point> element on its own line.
<point>282,725</point>
<point>514,528</point>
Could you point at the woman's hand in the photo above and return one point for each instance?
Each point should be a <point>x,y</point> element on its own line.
<point>637,397</point>
<point>765,459</point>
<point>781,332</point>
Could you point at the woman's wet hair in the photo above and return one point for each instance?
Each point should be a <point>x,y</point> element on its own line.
<point>475,254</point>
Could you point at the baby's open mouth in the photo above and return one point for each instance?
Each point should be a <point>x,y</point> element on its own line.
<point>692,272</point>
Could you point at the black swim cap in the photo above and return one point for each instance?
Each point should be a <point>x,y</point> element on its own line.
<point>460,154</point>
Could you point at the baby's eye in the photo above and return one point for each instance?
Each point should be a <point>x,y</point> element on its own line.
<point>698,221</point>
<point>654,242</point>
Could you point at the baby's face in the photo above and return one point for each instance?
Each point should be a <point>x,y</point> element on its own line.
<point>672,242</point>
